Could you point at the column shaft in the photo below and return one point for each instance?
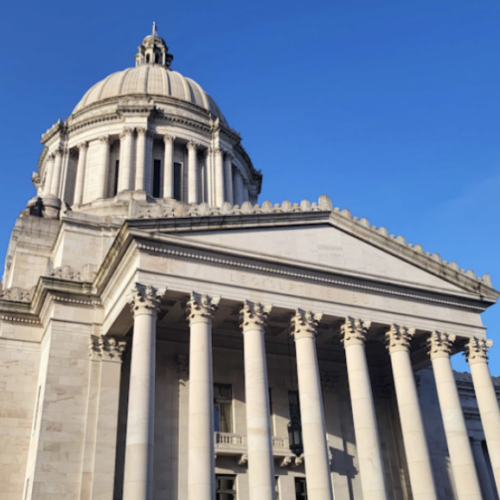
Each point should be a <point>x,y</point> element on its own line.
<point>238,188</point>
<point>140,163</point>
<point>192,172</point>
<point>168,167</point>
<point>49,169</point>
<point>415,442</point>
<point>80,173</point>
<point>317,464</point>
<point>462,461</point>
<point>476,351</point>
<point>125,166</point>
<point>201,449</point>
<point>260,451</point>
<point>149,163</point>
<point>102,177</point>
<point>228,174</point>
<point>219,178</point>
<point>363,410</point>
<point>56,173</point>
<point>138,482</point>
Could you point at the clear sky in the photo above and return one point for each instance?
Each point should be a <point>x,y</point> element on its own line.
<point>390,107</point>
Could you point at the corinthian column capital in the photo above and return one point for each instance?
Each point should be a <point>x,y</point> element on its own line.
<point>126,131</point>
<point>201,307</point>
<point>168,138</point>
<point>106,349</point>
<point>192,146</point>
<point>83,145</point>
<point>253,315</point>
<point>104,139</point>
<point>305,324</point>
<point>399,338</point>
<point>354,331</point>
<point>146,299</point>
<point>440,344</point>
<point>141,131</point>
<point>476,350</point>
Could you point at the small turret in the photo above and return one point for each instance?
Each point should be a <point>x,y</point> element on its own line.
<point>153,50</point>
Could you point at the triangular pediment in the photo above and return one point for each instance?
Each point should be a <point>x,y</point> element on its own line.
<point>326,247</point>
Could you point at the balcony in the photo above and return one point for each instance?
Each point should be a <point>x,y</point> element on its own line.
<point>236,444</point>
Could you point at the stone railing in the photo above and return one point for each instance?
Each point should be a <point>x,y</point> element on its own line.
<point>226,439</point>
<point>281,443</point>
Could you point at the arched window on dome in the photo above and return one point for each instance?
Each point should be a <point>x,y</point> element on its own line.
<point>157,58</point>
<point>147,58</point>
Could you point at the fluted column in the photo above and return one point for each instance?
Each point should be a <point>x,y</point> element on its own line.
<point>49,172</point>
<point>363,410</point>
<point>168,166</point>
<point>260,450</point>
<point>304,330</point>
<point>462,461</point>
<point>415,442</point>
<point>476,351</point>
<point>80,172</point>
<point>192,148</point>
<point>201,460</point>
<point>138,483</point>
<point>228,173</point>
<point>219,177</point>
<point>56,172</point>
<point>102,176</point>
<point>140,162</point>
<point>125,166</point>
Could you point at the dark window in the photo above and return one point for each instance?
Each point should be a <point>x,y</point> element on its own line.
<point>225,487</point>
<point>147,58</point>
<point>177,181</point>
<point>295,425</point>
<point>223,400</point>
<point>277,487</point>
<point>156,178</point>
<point>300,488</point>
<point>117,168</point>
<point>157,58</point>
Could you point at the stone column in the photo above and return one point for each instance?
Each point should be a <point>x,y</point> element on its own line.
<point>363,410</point>
<point>219,177</point>
<point>482,470</point>
<point>238,188</point>
<point>138,483</point>
<point>56,173</point>
<point>462,461</point>
<point>168,166</point>
<point>102,176</point>
<point>201,454</point>
<point>476,352</point>
<point>228,174</point>
<point>304,330</point>
<point>140,162</point>
<point>49,172</point>
<point>125,166</point>
<point>415,442</point>
<point>192,148</point>
<point>149,163</point>
<point>80,172</point>
<point>260,450</point>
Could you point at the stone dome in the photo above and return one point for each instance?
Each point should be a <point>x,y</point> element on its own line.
<point>151,80</point>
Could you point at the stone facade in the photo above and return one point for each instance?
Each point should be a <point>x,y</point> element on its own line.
<point>165,337</point>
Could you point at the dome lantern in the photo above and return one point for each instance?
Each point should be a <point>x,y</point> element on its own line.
<point>153,50</point>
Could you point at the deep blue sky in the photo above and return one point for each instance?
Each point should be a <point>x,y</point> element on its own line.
<point>389,107</point>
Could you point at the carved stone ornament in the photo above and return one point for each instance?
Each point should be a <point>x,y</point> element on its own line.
<point>440,344</point>
<point>253,315</point>
<point>192,146</point>
<point>305,324</point>
<point>83,145</point>
<point>476,350</point>
<point>328,380</point>
<point>169,138</point>
<point>126,131</point>
<point>146,299</point>
<point>141,131</point>
<point>398,338</point>
<point>104,139</point>
<point>86,274</point>
<point>107,349</point>
<point>354,331</point>
<point>182,361</point>
<point>201,307</point>
<point>17,294</point>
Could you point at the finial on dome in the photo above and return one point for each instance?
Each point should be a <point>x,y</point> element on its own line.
<point>153,50</point>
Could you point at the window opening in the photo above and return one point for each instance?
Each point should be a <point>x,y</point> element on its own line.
<point>177,181</point>
<point>157,58</point>
<point>147,58</point>
<point>295,425</point>
<point>225,487</point>
<point>277,487</point>
<point>300,488</point>
<point>117,168</point>
<point>223,399</point>
<point>156,178</point>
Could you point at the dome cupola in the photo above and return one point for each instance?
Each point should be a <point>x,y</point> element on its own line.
<point>145,134</point>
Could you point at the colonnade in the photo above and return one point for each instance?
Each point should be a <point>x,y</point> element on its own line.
<point>135,172</point>
<point>304,324</point>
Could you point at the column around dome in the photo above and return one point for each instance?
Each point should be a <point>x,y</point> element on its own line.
<point>126,160</point>
<point>102,177</point>
<point>49,172</point>
<point>80,172</point>
<point>149,163</point>
<point>228,174</point>
<point>140,164</point>
<point>168,166</point>
<point>56,173</point>
<point>219,177</point>
<point>192,148</point>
